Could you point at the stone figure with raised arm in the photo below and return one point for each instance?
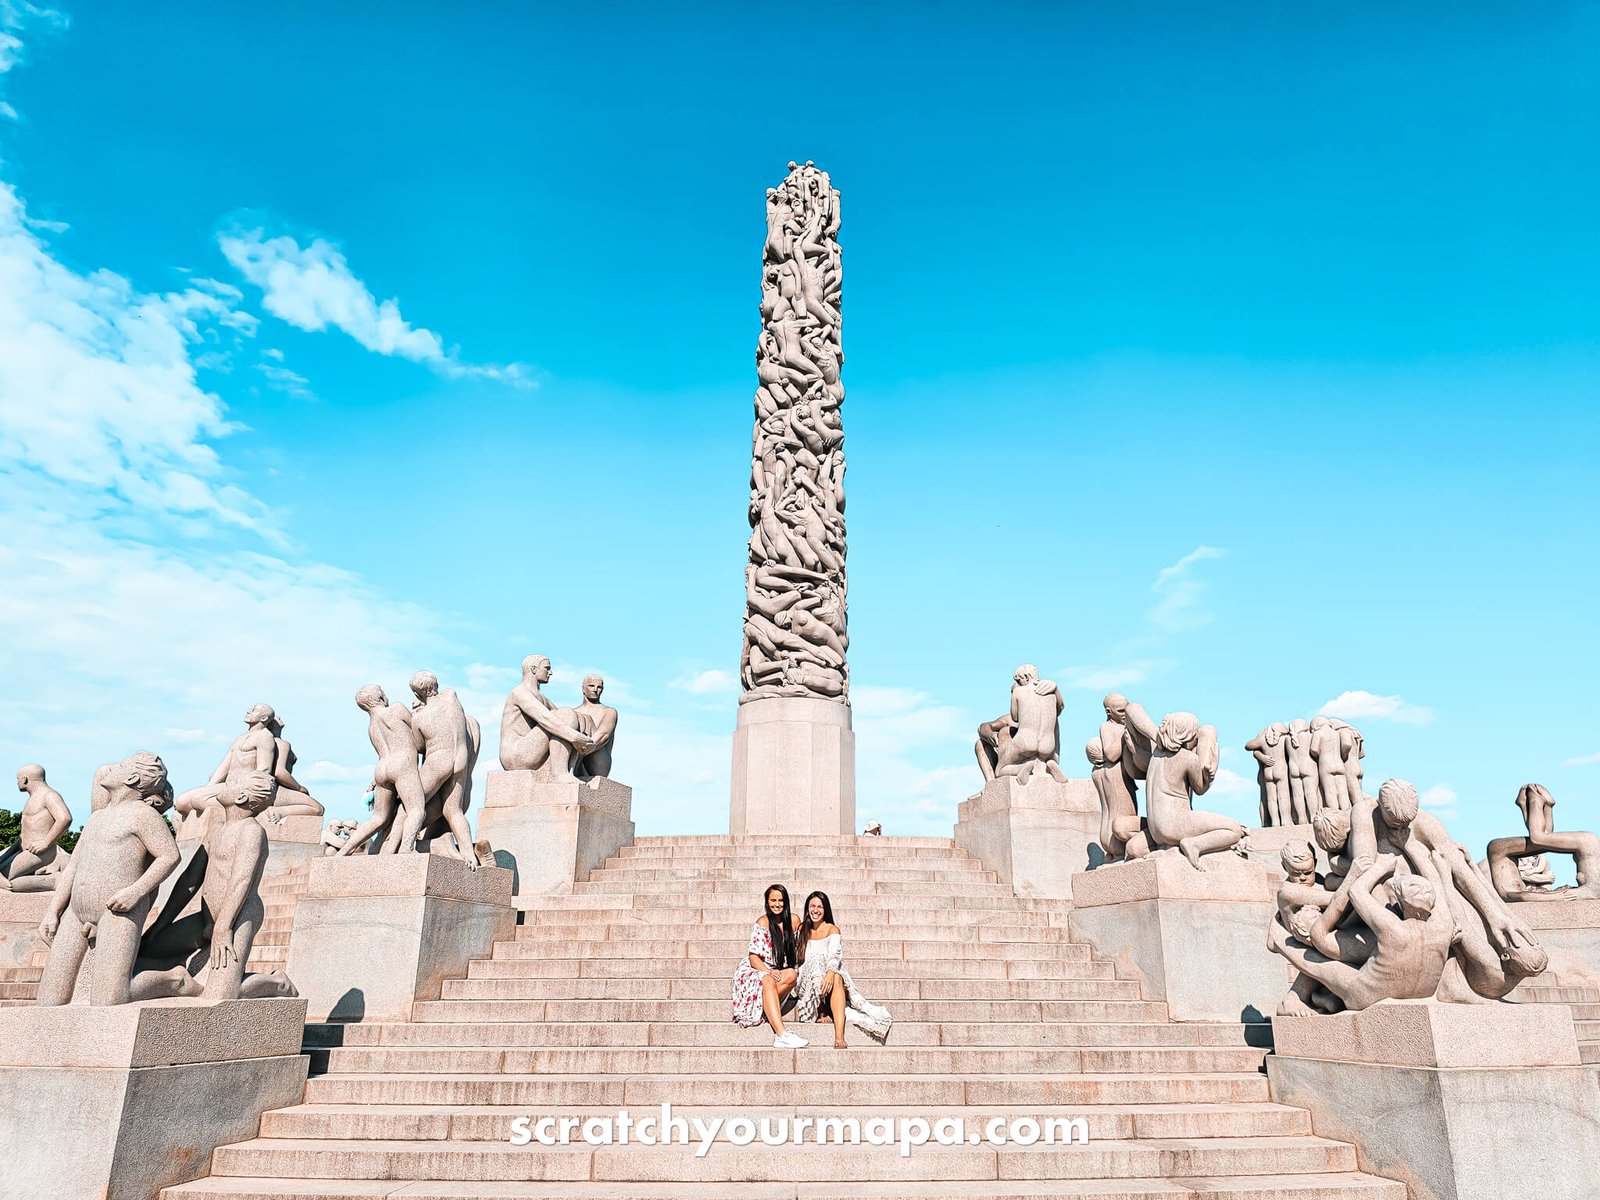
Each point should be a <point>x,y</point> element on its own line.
<point>1182,766</point>
<point>1412,930</point>
<point>125,851</point>
<point>1304,799</point>
<point>535,735</point>
<point>35,861</point>
<point>227,875</point>
<point>291,798</point>
<point>256,749</point>
<point>602,722</point>
<point>1272,772</point>
<point>450,741</point>
<point>397,783</point>
<point>1506,854</point>
<point>1329,746</point>
<point>1035,743</point>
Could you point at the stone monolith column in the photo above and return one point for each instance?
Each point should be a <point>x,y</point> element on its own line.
<point>794,756</point>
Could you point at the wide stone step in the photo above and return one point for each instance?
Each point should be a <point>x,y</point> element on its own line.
<point>839,895</point>
<point>736,905</point>
<point>1586,1012</point>
<point>782,841</point>
<point>1556,994</point>
<point>545,1091</point>
<point>872,912</point>
<point>682,951</point>
<point>824,877</point>
<point>1332,1186</point>
<point>865,970</point>
<point>863,1058</point>
<point>492,1123</point>
<point>1589,1052</point>
<point>617,927</point>
<point>882,989</point>
<point>717,1010</point>
<point>421,1160</point>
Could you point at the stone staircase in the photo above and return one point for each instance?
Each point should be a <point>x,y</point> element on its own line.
<point>617,996</point>
<point>1585,1002</point>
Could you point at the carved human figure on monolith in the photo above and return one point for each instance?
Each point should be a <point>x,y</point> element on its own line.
<point>1272,772</point>
<point>335,834</point>
<point>537,736</point>
<point>1035,741</point>
<point>397,783</point>
<point>1182,766</point>
<point>1506,854</point>
<point>449,741</point>
<point>1304,799</point>
<point>602,724</point>
<point>125,851</point>
<point>1412,928</point>
<point>34,862</point>
<point>992,739</point>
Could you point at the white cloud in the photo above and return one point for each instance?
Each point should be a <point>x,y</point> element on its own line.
<point>1364,705</point>
<point>706,683</point>
<point>1179,593</point>
<point>1231,783</point>
<point>17,16</point>
<point>1583,760</point>
<point>313,288</point>
<point>291,383</point>
<point>186,736</point>
<point>1441,798</point>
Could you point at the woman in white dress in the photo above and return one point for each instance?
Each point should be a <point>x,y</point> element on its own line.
<point>824,990</point>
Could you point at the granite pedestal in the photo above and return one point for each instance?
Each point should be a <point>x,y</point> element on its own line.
<point>1457,1101</point>
<point>20,914</point>
<point>115,1103</point>
<point>1196,939</point>
<point>552,832</point>
<point>1036,835</point>
<point>794,768</point>
<point>374,934</point>
<point>1569,930</point>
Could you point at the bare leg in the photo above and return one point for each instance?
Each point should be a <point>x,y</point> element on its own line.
<point>116,948</point>
<point>265,984</point>
<point>1297,801</point>
<point>158,985</point>
<point>61,968</point>
<point>455,816</point>
<point>1210,842</point>
<point>383,802</point>
<point>1343,981</point>
<point>772,1001</point>
<point>833,988</point>
<point>223,983</point>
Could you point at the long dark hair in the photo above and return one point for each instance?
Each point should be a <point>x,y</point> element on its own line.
<point>807,924</point>
<point>780,928</point>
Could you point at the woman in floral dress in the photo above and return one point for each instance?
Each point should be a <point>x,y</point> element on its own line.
<point>764,980</point>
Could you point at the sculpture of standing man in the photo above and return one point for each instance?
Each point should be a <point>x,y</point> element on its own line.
<point>450,741</point>
<point>397,784</point>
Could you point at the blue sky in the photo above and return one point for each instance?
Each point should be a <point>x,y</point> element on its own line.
<point>1244,360</point>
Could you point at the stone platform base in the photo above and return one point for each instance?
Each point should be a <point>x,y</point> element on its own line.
<point>374,934</point>
<point>1569,930</point>
<point>115,1103</point>
<point>1035,835</point>
<point>794,768</point>
<point>1195,939</point>
<point>20,914</point>
<point>552,832</point>
<point>1457,1101</point>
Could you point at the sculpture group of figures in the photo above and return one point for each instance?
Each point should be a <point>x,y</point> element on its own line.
<point>795,630</point>
<point>1306,766</point>
<point>98,923</point>
<point>1176,760</point>
<point>1026,738</point>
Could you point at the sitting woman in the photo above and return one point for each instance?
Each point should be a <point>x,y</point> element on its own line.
<point>824,990</point>
<point>764,980</point>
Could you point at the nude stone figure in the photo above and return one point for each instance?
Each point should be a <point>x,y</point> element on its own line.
<point>1272,772</point>
<point>1304,799</point>
<point>336,834</point>
<point>1119,813</point>
<point>534,734</point>
<point>35,861</point>
<point>1035,742</point>
<point>397,790</point>
<point>1328,749</point>
<point>1505,854</point>
<point>227,874</point>
<point>602,719</point>
<point>125,851</point>
<point>291,798</point>
<point>1182,766</point>
<point>1331,829</point>
<point>256,749</point>
<point>450,741</point>
<point>1412,930</point>
<point>993,736</point>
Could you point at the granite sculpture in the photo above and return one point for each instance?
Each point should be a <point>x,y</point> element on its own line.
<point>336,834</point>
<point>537,736</point>
<point>1305,766</point>
<point>1271,751</point>
<point>397,782</point>
<point>291,798</point>
<point>1183,764</point>
<point>34,862</point>
<point>104,895</point>
<point>795,634</point>
<point>1518,866</point>
<point>1027,739</point>
<point>1120,755</point>
<point>256,749</point>
<point>449,741</point>
<point>602,725</point>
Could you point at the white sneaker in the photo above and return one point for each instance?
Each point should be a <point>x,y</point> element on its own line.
<point>788,1041</point>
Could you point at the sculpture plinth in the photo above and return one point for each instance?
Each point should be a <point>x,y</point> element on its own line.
<point>1458,1101</point>
<point>119,1102</point>
<point>1035,834</point>
<point>553,831</point>
<point>20,914</point>
<point>794,768</point>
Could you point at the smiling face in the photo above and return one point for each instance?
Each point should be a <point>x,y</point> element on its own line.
<point>814,910</point>
<point>774,902</point>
